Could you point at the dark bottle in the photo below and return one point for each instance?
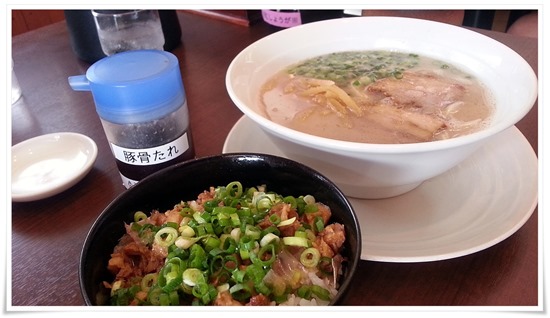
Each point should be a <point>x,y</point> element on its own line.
<point>171,29</point>
<point>83,35</point>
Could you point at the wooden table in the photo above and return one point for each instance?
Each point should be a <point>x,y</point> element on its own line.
<point>47,235</point>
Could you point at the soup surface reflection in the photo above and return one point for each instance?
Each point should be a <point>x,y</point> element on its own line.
<point>377,97</point>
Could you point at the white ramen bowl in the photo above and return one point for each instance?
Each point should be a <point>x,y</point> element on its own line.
<point>369,171</point>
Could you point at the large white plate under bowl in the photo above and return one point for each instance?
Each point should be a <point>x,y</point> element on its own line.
<point>49,164</point>
<point>469,208</point>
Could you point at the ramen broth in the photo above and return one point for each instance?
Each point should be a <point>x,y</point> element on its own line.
<point>377,97</point>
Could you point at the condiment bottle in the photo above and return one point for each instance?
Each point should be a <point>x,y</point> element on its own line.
<point>140,99</point>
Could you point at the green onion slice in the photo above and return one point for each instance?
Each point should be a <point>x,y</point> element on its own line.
<point>286,222</point>
<point>139,216</point>
<point>166,236</point>
<point>295,241</point>
<point>310,257</point>
<point>193,276</point>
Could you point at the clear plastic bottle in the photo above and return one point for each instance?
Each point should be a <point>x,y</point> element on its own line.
<point>140,99</point>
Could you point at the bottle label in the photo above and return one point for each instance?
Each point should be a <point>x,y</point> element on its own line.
<point>154,155</point>
<point>127,182</point>
<point>282,19</point>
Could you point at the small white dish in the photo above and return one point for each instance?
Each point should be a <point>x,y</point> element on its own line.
<point>471,207</point>
<point>49,164</point>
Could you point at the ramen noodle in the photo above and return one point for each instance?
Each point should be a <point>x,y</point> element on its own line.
<point>377,97</point>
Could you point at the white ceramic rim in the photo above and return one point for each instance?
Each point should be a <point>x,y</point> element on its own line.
<point>488,212</point>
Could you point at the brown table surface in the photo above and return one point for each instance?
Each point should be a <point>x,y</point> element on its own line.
<point>47,235</point>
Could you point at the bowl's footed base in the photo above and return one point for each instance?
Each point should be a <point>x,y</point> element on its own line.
<point>359,192</point>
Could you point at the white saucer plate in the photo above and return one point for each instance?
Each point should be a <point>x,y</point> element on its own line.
<point>49,164</point>
<point>469,208</point>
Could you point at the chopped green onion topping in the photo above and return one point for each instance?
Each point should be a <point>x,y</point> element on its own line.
<point>166,236</point>
<point>226,242</point>
<point>268,238</point>
<point>286,222</point>
<point>193,276</point>
<point>139,216</point>
<point>295,241</point>
<point>319,223</point>
<point>310,257</point>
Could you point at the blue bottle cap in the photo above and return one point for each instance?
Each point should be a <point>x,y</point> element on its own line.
<point>133,86</point>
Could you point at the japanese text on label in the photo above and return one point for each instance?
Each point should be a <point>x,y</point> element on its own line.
<point>151,156</point>
<point>282,19</point>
